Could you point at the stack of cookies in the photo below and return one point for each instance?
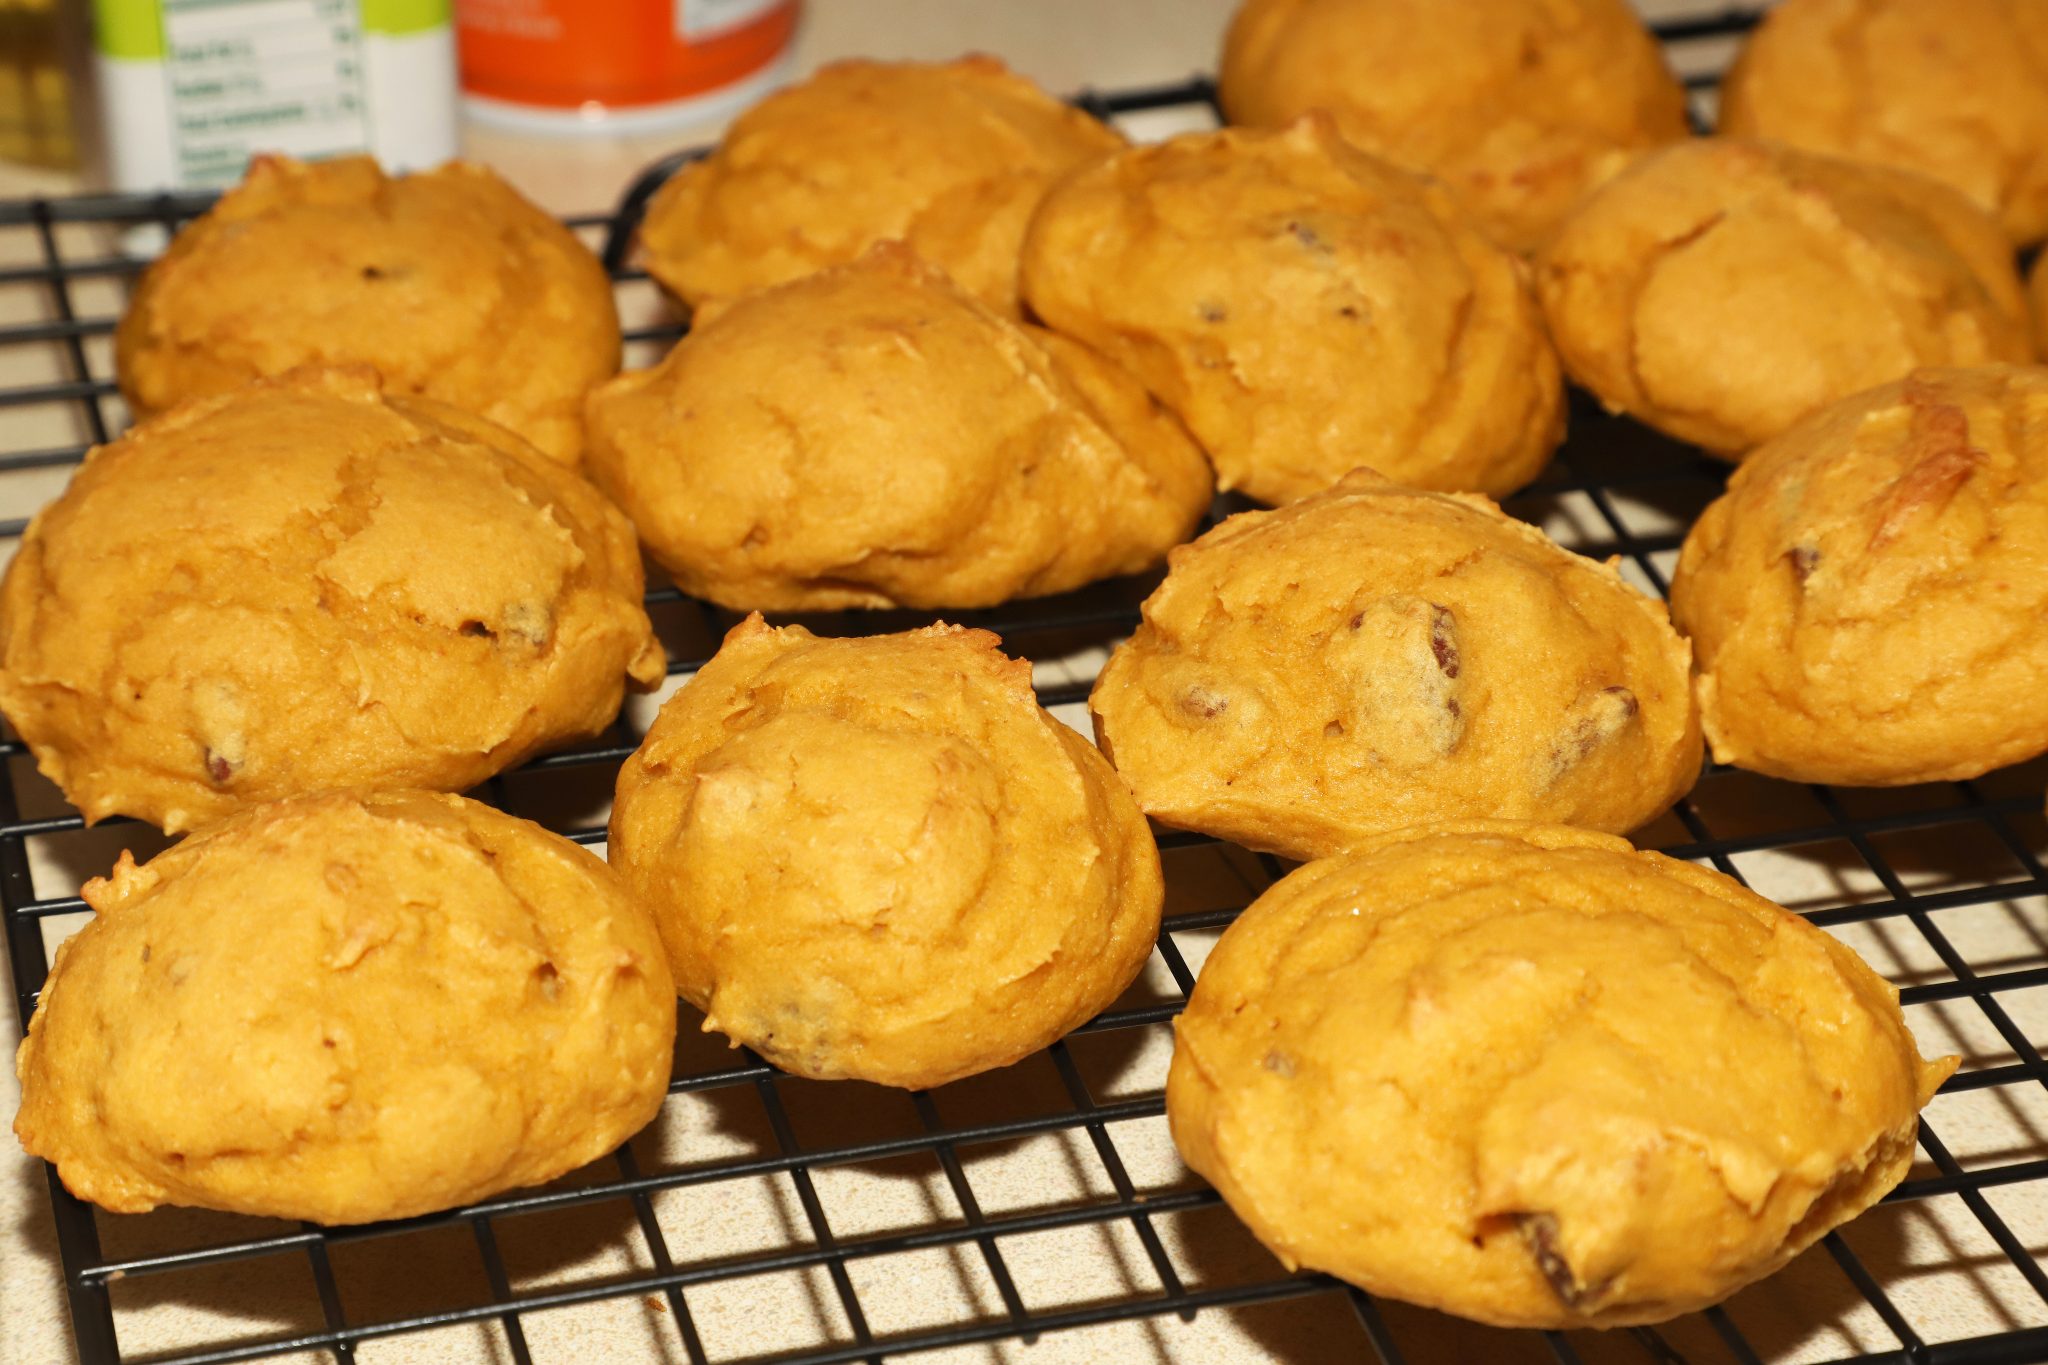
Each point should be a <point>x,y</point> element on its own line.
<point>953,344</point>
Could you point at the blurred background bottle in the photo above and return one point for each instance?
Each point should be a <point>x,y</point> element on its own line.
<point>36,123</point>
<point>619,66</point>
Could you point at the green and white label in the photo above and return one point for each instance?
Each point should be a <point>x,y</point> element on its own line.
<point>194,88</point>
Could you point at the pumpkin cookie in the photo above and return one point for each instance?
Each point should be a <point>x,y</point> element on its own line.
<point>1421,1065</point>
<point>871,436</point>
<point>1305,309</point>
<point>1518,106</point>
<point>880,859</point>
<point>950,157</point>
<point>311,583</point>
<point>1377,657</point>
<point>1720,290</point>
<point>347,1008</point>
<point>1957,91</point>
<point>1865,601</point>
<point>446,282</point>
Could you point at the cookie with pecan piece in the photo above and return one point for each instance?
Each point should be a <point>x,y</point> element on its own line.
<point>1377,656</point>
<point>310,583</point>
<point>1305,308</point>
<point>1531,1076</point>
<point>1865,601</point>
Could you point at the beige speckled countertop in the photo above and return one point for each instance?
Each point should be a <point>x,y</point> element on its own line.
<point>1935,1258</point>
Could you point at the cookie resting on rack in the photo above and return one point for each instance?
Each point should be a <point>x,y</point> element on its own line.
<point>1531,1076</point>
<point>950,157</point>
<point>1866,600</point>
<point>312,583</point>
<point>346,1008</point>
<point>1957,91</point>
<point>1720,290</point>
<point>1376,657</point>
<point>879,859</point>
<point>871,436</point>
<point>446,282</point>
<point>1518,106</point>
<point>1305,308</point>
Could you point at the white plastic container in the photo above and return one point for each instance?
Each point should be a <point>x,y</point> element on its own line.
<point>190,89</point>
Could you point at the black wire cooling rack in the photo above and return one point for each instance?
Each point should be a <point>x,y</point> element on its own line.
<point>1039,1214</point>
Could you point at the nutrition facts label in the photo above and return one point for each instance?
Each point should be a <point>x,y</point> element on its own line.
<point>261,75</point>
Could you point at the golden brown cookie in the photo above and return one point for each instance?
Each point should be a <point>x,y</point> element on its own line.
<point>1866,600</point>
<point>1720,290</point>
<point>309,583</point>
<point>1531,1076</point>
<point>950,157</point>
<point>1957,91</point>
<point>446,281</point>
<point>879,859</point>
<point>871,436</point>
<point>1377,657</point>
<point>1305,308</point>
<point>1519,106</point>
<point>346,1008</point>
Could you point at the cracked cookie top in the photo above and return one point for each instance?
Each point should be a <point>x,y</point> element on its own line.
<point>1957,91</point>
<point>1719,290</point>
<point>880,859</point>
<point>446,281</point>
<point>950,157</point>
<point>1376,657</point>
<point>1305,308</point>
<point>311,583</point>
<point>1533,1077</point>
<point>872,436</point>
<point>1865,601</point>
<point>346,1008</point>
<point>1518,106</point>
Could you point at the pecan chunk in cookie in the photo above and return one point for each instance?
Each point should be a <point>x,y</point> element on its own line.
<point>1377,656</point>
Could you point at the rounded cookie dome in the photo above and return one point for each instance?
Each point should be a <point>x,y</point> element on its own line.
<point>879,859</point>
<point>346,1008</point>
<point>1375,657</point>
<point>1956,91</point>
<point>1305,308</point>
<point>446,282</point>
<point>871,436</point>
<point>1865,600</point>
<point>1518,106</point>
<point>950,157</point>
<point>1720,290</point>
<point>311,583</point>
<point>1421,1064</point>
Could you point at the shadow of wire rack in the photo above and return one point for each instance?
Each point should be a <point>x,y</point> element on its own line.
<point>1039,1214</point>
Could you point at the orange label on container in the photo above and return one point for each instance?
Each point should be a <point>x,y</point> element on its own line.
<point>565,54</point>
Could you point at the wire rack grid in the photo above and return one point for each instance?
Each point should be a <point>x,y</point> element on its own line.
<point>1038,1214</point>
